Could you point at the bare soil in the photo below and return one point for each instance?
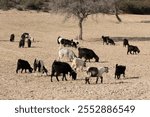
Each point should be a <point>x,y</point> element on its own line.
<point>45,28</point>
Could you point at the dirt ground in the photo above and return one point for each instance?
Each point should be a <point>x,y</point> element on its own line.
<point>45,28</point>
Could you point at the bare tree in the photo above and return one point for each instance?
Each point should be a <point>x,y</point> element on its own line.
<point>116,9</point>
<point>80,9</point>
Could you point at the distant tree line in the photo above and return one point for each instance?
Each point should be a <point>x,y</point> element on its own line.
<point>80,9</point>
<point>40,5</point>
<point>125,6</point>
<point>135,6</point>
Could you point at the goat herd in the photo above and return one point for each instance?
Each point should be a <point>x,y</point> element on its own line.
<point>77,63</point>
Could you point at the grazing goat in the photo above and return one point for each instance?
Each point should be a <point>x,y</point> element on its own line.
<point>66,52</point>
<point>78,63</point>
<point>39,64</point>
<point>24,65</point>
<point>95,72</point>
<point>12,38</point>
<point>64,68</point>
<point>120,69</point>
<point>87,54</point>
<point>66,42</point>
<point>105,38</point>
<point>110,41</point>
<point>133,49</point>
<point>125,42</point>
<point>21,43</point>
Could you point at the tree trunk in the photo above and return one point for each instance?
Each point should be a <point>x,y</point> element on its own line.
<point>80,28</point>
<point>117,16</point>
<point>116,13</point>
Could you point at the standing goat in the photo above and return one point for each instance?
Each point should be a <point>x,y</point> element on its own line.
<point>125,42</point>
<point>78,63</point>
<point>95,72</point>
<point>120,69</point>
<point>66,52</point>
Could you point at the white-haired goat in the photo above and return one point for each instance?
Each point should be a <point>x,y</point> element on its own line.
<point>66,52</point>
<point>78,63</point>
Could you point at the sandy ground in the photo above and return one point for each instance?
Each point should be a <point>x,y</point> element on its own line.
<point>45,28</point>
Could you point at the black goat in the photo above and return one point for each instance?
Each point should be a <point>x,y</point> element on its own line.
<point>12,38</point>
<point>87,54</point>
<point>125,42</point>
<point>110,41</point>
<point>29,43</point>
<point>133,49</point>
<point>21,43</point>
<point>105,38</point>
<point>23,65</point>
<point>120,69</point>
<point>64,68</point>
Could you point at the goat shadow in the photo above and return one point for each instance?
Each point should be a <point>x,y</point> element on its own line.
<point>17,41</point>
<point>93,62</point>
<point>33,47</point>
<point>134,77</point>
<point>117,81</point>
<point>120,82</point>
<point>103,61</point>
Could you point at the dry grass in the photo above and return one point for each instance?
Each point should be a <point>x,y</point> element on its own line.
<point>46,28</point>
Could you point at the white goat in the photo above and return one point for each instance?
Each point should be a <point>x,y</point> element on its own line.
<point>66,52</point>
<point>95,72</point>
<point>78,63</point>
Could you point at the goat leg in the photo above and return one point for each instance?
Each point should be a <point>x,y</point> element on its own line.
<point>65,77</point>
<point>51,78</point>
<point>97,80</point>
<point>87,80</point>
<point>101,79</point>
<point>21,70</point>
<point>57,77</point>
<point>124,75</point>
